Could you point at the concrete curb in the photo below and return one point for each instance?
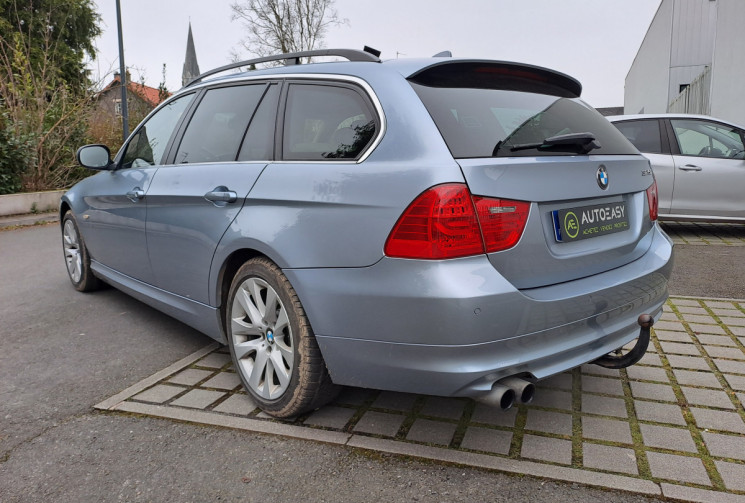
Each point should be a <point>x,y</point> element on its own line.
<point>28,219</point>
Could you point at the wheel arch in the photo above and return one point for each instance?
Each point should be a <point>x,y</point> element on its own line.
<point>225,275</point>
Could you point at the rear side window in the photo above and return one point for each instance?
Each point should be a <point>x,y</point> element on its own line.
<point>644,134</point>
<point>325,122</point>
<point>216,129</point>
<point>480,122</point>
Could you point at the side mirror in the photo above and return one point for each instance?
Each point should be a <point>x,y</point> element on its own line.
<point>94,157</point>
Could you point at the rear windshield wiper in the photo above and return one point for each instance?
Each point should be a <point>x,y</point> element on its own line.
<point>585,142</point>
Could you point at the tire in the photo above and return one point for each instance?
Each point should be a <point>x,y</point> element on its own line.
<point>272,344</point>
<point>77,260</point>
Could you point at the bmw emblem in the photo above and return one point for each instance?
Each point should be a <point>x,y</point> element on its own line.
<point>602,177</point>
<point>270,336</point>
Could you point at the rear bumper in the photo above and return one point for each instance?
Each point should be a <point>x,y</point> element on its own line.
<point>454,327</point>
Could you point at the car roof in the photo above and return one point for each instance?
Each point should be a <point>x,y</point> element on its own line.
<point>618,118</point>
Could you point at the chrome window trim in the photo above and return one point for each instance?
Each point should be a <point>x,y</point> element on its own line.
<point>316,77</point>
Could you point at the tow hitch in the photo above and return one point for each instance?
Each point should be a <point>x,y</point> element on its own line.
<point>618,361</point>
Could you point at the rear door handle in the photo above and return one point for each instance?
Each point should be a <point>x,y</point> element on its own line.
<point>135,194</point>
<point>690,167</point>
<point>221,194</point>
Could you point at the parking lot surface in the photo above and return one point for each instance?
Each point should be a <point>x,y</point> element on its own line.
<point>673,425</point>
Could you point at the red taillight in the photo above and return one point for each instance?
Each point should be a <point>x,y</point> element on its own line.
<point>653,201</point>
<point>502,221</point>
<point>444,223</point>
<point>440,223</point>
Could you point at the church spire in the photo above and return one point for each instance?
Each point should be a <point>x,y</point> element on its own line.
<point>191,67</point>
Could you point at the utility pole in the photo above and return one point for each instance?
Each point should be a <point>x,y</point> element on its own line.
<point>122,74</point>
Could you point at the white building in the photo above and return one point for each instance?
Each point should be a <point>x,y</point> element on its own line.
<point>692,60</point>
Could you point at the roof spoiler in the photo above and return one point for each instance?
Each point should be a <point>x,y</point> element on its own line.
<point>485,74</point>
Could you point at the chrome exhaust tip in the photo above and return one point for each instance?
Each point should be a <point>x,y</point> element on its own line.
<point>524,390</point>
<point>500,396</point>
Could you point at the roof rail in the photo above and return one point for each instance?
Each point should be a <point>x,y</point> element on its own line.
<point>292,58</point>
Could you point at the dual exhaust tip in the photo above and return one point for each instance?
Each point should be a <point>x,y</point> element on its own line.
<point>506,391</point>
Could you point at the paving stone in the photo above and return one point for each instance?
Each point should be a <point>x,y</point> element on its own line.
<point>198,398</point>
<point>717,305</point>
<point>708,397</point>
<point>379,423</point>
<point>605,457</point>
<point>685,302</point>
<point>737,382</point>
<point>159,393</point>
<point>494,416</point>
<point>699,318</point>
<point>600,371</point>
<point>561,381</point>
<point>395,401</point>
<point>733,475</point>
<point>692,310</point>
<point>668,335</point>
<point>331,417</point>
<point>640,373</point>
<point>601,385</point>
<point>190,377</point>
<point>725,352</point>
<point>224,380</point>
<point>237,404</point>
<point>738,331</point>
<point>732,321</point>
<point>667,437</point>
<point>547,449</point>
<point>680,468</point>
<point>670,325</point>
<point>699,328</point>
<point>448,408</point>
<point>695,378</point>
<point>432,432</point>
<point>741,397</point>
<point>730,366</point>
<point>651,359</point>
<point>717,340</point>
<point>652,391</point>
<point>718,420</point>
<point>487,440</point>
<point>354,396</point>
<point>609,430</point>
<point>553,399</point>
<point>214,360</point>
<point>659,413</point>
<point>688,362</point>
<point>549,422</point>
<point>603,405</point>
<point>725,446</point>
<point>679,348</point>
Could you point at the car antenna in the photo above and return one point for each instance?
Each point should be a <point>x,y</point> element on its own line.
<point>443,54</point>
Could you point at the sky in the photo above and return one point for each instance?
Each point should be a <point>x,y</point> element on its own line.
<point>594,41</point>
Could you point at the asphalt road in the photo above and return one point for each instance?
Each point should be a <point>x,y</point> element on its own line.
<point>62,351</point>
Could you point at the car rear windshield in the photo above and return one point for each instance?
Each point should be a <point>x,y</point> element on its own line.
<point>478,122</point>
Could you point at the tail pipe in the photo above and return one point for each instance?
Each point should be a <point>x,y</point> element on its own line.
<point>611,361</point>
<point>524,390</point>
<point>507,391</point>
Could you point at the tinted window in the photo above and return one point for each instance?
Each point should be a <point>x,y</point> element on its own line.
<point>258,145</point>
<point>708,139</point>
<point>216,129</point>
<point>644,134</point>
<point>489,122</point>
<point>326,122</point>
<point>148,144</point>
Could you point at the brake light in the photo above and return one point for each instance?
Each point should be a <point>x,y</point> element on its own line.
<point>447,222</point>
<point>653,201</point>
<point>502,221</point>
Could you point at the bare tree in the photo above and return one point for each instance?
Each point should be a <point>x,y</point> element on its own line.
<point>282,26</point>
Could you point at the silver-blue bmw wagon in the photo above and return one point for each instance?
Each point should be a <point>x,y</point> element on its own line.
<point>443,226</point>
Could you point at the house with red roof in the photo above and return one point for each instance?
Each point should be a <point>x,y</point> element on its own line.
<point>141,99</point>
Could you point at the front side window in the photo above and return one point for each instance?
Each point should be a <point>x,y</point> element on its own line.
<point>644,134</point>
<point>148,144</point>
<point>325,122</point>
<point>216,129</point>
<point>708,139</point>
